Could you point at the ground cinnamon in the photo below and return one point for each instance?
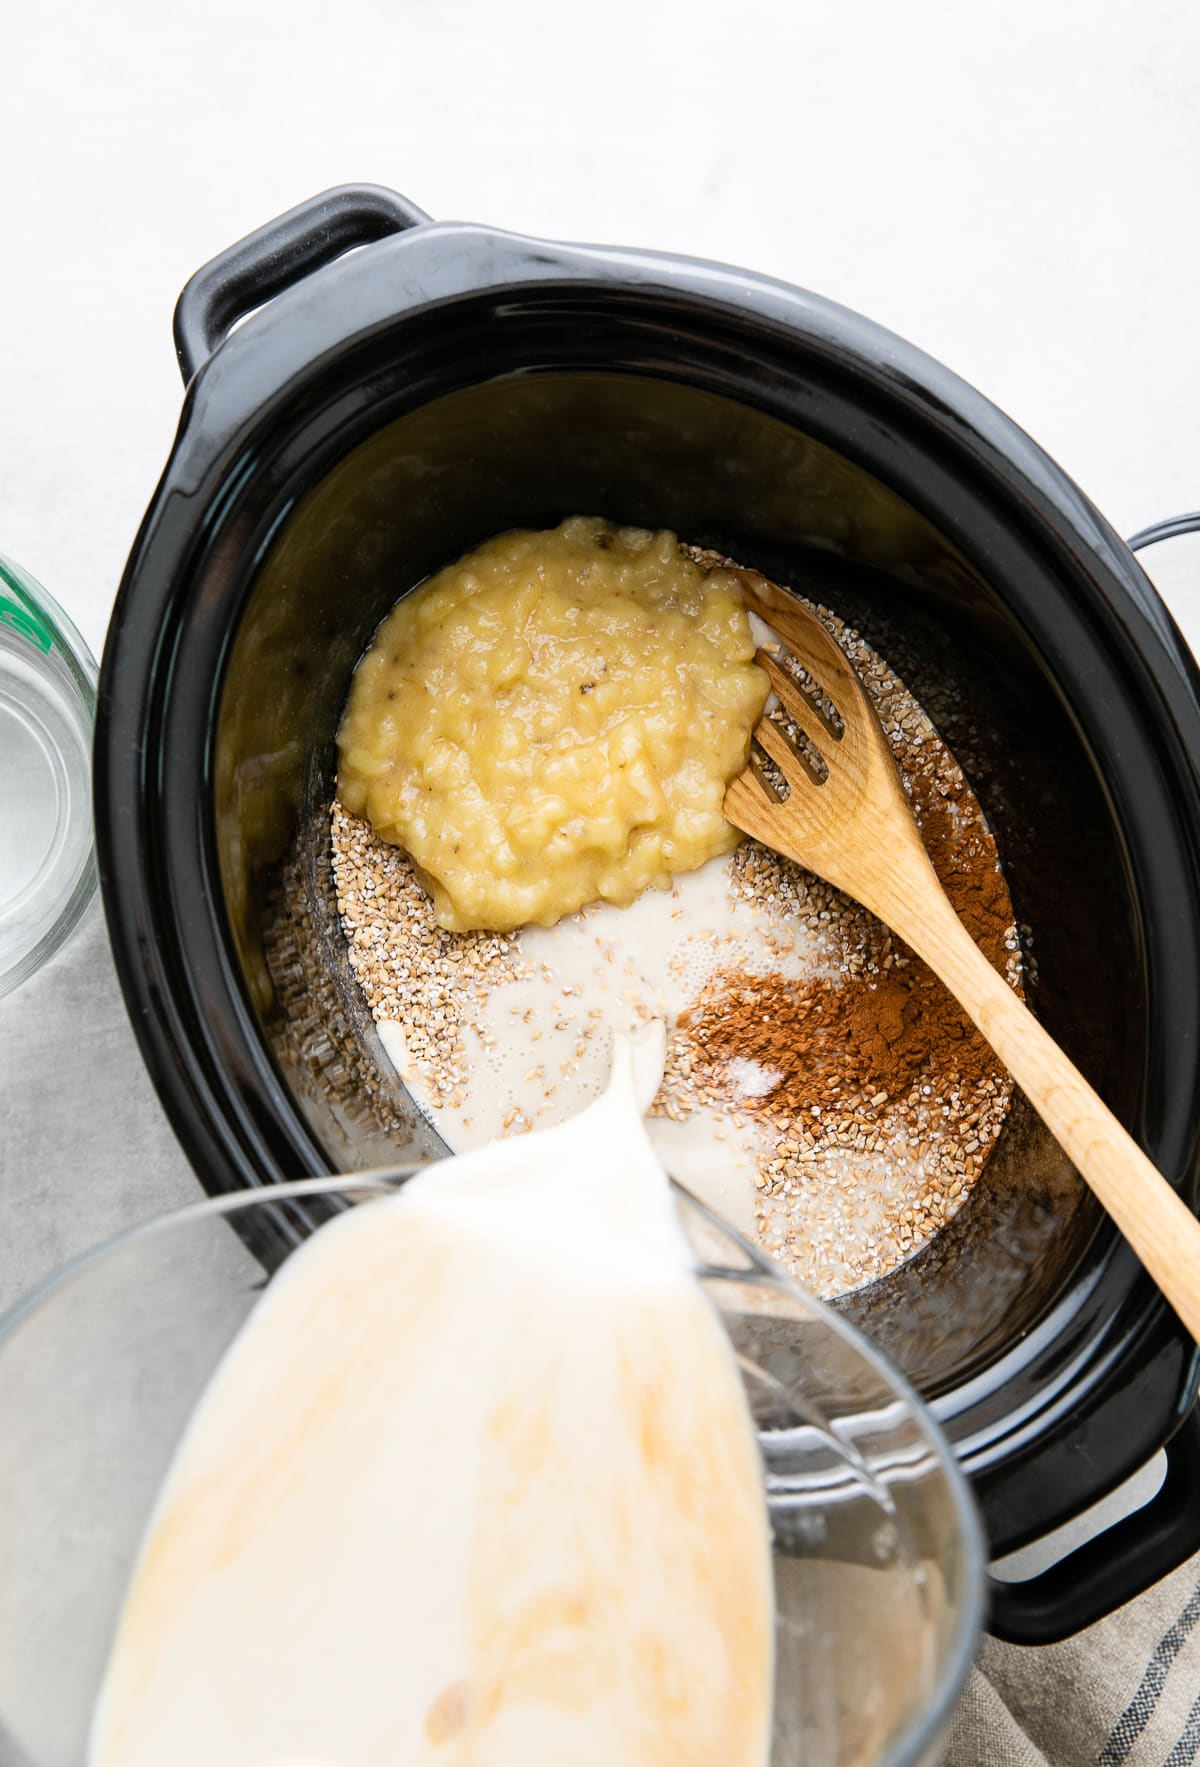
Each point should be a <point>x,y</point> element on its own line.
<point>780,1043</point>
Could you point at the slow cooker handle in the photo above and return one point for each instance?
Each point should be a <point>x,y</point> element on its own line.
<point>285,250</point>
<point>1119,1564</point>
<point>1126,1560</point>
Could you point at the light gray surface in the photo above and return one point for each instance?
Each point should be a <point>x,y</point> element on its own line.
<point>1009,184</point>
<point>85,1149</point>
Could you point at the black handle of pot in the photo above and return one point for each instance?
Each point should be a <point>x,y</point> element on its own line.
<point>1125,1560</point>
<point>272,258</point>
<point>1117,1565</point>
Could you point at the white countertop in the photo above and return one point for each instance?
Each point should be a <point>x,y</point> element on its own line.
<point>1011,184</point>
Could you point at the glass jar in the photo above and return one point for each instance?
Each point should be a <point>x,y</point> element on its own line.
<point>47,709</point>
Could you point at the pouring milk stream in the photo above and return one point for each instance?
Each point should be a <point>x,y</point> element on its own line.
<point>460,1496</point>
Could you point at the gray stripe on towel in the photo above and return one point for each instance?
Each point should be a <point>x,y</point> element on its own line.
<point>1140,1709</point>
<point>1188,1746</point>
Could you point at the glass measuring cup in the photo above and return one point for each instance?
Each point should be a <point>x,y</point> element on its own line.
<point>878,1555</point>
<point>47,708</point>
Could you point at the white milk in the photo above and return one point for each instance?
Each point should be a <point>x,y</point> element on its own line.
<point>607,970</point>
<point>476,1486</point>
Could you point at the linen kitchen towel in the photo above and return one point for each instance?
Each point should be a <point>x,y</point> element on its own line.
<point>1125,1693</point>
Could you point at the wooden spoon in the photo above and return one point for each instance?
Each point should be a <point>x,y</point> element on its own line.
<point>855,829</point>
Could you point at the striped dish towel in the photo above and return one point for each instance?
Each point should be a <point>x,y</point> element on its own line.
<point>1125,1693</point>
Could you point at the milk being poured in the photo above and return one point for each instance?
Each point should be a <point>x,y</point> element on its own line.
<point>461,1495</point>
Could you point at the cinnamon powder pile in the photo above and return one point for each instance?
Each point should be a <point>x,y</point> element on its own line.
<point>795,1043</point>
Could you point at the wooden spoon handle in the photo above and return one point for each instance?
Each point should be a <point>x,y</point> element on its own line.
<point>1155,1220</point>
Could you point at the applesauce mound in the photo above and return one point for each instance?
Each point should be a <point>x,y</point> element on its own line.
<point>553,721</point>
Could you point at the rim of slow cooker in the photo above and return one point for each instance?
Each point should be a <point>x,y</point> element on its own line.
<point>234,1116</point>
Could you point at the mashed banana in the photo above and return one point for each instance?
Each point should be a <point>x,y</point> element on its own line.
<point>553,721</point>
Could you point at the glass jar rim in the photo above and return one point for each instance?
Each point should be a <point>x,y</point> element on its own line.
<point>48,698</point>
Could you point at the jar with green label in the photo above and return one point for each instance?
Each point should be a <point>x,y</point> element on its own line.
<point>47,709</point>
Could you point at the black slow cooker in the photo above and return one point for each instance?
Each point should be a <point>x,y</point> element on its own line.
<point>355,418</point>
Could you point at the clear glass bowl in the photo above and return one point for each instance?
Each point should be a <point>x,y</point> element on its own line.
<point>878,1553</point>
<point>47,709</point>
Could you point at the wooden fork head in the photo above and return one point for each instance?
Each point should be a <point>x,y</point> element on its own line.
<point>847,819</point>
